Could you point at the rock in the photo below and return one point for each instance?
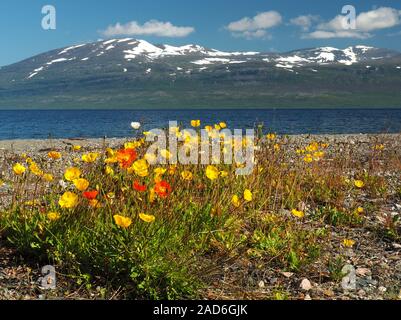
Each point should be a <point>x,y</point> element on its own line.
<point>287,274</point>
<point>328,293</point>
<point>305,285</point>
<point>348,282</point>
<point>308,297</point>
<point>382,289</point>
<point>361,292</point>
<point>363,272</point>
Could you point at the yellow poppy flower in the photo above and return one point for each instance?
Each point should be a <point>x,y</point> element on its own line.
<point>223,174</point>
<point>298,213</point>
<point>159,171</point>
<point>19,169</point>
<point>76,148</point>
<point>318,155</point>
<point>195,123</point>
<point>212,172</point>
<point>308,158</point>
<point>314,146</point>
<point>359,183</point>
<point>94,203</point>
<point>235,201</point>
<point>348,243</point>
<point>140,167</point>
<point>53,216</point>
<point>132,145</point>
<point>223,125</point>
<point>54,155</point>
<point>186,175</point>
<point>35,169</point>
<point>110,160</point>
<point>72,173</point>
<point>271,136</point>
<point>90,157</point>
<point>379,147</point>
<point>248,195</point>
<point>109,170</point>
<point>68,200</point>
<point>147,217</point>
<point>360,210</point>
<point>81,184</point>
<point>121,221</point>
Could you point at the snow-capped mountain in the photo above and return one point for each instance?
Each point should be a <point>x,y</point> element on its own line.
<point>130,65</point>
<point>130,52</point>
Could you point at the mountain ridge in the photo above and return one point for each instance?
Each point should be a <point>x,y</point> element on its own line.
<point>133,73</point>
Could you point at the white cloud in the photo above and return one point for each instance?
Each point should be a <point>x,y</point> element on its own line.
<point>366,22</point>
<point>305,22</point>
<point>255,27</point>
<point>149,28</point>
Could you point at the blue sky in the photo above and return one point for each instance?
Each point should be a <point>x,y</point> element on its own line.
<point>257,25</point>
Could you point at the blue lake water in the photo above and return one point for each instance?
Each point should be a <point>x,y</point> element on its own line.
<point>38,124</point>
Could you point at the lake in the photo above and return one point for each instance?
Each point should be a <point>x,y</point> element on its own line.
<point>39,124</point>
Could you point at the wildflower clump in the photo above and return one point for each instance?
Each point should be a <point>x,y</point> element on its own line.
<point>152,227</point>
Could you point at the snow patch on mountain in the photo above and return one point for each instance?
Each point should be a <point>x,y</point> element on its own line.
<point>109,41</point>
<point>210,61</point>
<point>35,72</point>
<point>292,59</point>
<point>56,61</point>
<point>351,57</point>
<point>71,48</point>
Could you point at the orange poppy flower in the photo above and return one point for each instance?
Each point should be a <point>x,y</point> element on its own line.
<point>90,195</point>
<point>138,187</point>
<point>126,157</point>
<point>163,189</point>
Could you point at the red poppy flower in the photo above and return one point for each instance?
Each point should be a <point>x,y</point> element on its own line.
<point>138,187</point>
<point>163,189</point>
<point>126,157</point>
<point>90,195</point>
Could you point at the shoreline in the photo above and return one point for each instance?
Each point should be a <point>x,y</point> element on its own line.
<point>44,145</point>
